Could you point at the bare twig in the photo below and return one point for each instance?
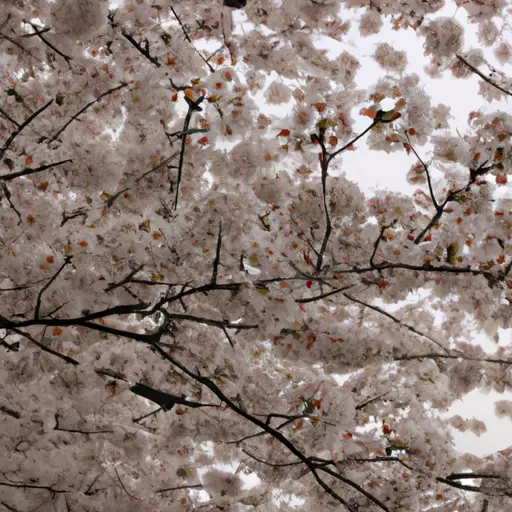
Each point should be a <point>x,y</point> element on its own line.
<point>44,348</point>
<point>216,261</point>
<point>396,320</point>
<point>78,431</point>
<point>179,487</point>
<point>83,109</point>
<point>38,31</point>
<point>187,37</point>
<point>123,486</point>
<point>22,126</point>
<point>482,76</point>
<point>67,261</point>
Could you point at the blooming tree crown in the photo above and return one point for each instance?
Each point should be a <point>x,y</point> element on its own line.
<point>199,308</point>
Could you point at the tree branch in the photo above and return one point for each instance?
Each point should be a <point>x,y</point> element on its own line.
<point>27,171</point>
<point>22,126</point>
<point>482,76</point>
<point>82,110</point>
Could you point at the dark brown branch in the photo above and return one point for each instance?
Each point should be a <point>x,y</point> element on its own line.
<point>193,106</point>
<point>352,484</point>
<point>22,126</point>
<point>451,196</point>
<point>7,195</point>
<point>27,171</point>
<point>427,172</point>
<point>324,164</point>
<point>453,356</point>
<point>422,268</point>
<point>123,486</point>
<point>187,37</point>
<point>9,118</point>
<point>67,261</point>
<point>325,160</point>
<point>143,50</point>
<point>472,476</point>
<point>39,33</point>
<point>22,286</point>
<point>323,295</point>
<point>78,431</point>
<point>243,413</point>
<point>20,46</point>
<point>144,416</point>
<point>127,279</point>
<point>368,402</point>
<point>157,167</point>
<point>44,348</point>
<point>208,321</point>
<point>353,141</point>
<point>377,242</point>
<point>21,485</point>
<point>88,491</point>
<point>10,412</point>
<point>166,401</point>
<point>216,261</point>
<point>273,464</point>
<point>82,110</point>
<point>179,487</point>
<point>396,320</point>
<point>457,485</point>
<point>483,77</point>
<point>9,507</point>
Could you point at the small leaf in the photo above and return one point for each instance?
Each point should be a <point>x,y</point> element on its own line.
<point>165,37</point>
<point>304,170</point>
<point>59,99</point>
<point>451,252</point>
<point>325,123</point>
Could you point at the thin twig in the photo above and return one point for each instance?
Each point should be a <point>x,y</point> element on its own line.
<point>123,486</point>
<point>82,110</point>
<point>67,260</point>
<point>179,487</point>
<point>190,41</point>
<point>216,261</point>
<point>396,320</point>
<point>78,431</point>
<point>44,348</point>
<point>483,77</point>
<point>22,126</point>
<point>39,33</point>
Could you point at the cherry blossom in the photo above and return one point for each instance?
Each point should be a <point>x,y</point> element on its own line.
<point>199,308</point>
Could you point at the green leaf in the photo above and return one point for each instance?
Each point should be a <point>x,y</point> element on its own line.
<point>387,116</point>
<point>11,92</point>
<point>165,37</point>
<point>263,291</point>
<point>59,98</point>
<point>324,123</point>
<point>451,252</point>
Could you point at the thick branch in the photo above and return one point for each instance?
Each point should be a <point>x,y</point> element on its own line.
<point>27,171</point>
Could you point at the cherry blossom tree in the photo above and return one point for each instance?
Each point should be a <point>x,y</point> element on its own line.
<point>199,310</point>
